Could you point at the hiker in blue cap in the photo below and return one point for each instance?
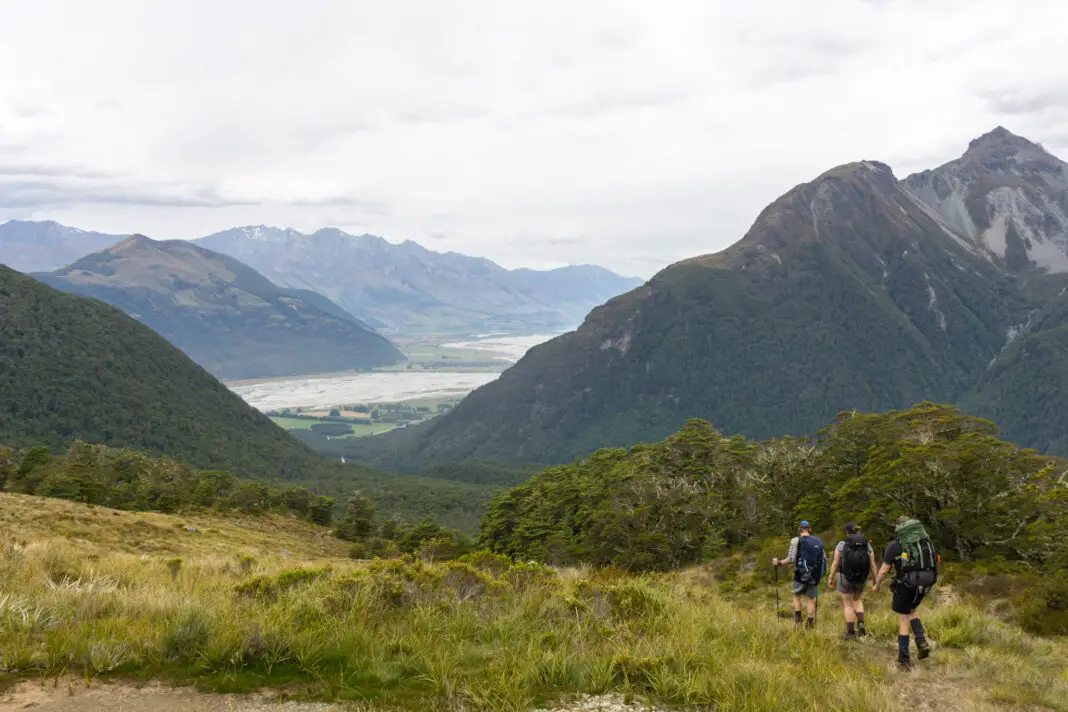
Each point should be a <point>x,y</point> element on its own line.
<point>810,564</point>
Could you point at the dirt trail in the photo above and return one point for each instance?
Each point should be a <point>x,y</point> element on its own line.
<point>75,697</point>
<point>923,693</point>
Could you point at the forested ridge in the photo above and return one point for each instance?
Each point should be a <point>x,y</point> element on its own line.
<point>73,367</point>
<point>699,494</point>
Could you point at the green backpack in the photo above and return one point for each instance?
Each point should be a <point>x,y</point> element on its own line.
<point>919,561</point>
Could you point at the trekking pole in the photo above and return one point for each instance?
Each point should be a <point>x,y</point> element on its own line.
<point>776,591</point>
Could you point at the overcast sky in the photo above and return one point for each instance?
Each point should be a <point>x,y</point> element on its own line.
<point>629,134</point>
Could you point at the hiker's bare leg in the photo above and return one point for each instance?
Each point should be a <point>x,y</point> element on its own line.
<point>797,604</point>
<point>812,608</point>
<point>903,623</point>
<point>858,603</point>
<point>849,602</point>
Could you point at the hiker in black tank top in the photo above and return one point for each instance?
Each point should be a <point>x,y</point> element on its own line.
<point>913,580</point>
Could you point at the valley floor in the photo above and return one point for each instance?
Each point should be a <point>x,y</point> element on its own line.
<point>266,613</point>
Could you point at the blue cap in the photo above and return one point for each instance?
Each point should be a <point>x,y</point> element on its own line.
<point>805,523</point>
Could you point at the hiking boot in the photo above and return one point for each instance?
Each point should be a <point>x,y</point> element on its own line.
<point>924,648</point>
<point>849,636</point>
<point>862,630</point>
<point>904,665</point>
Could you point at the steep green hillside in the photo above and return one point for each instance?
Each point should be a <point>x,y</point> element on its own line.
<point>1026,387</point>
<point>72,367</point>
<point>224,315</point>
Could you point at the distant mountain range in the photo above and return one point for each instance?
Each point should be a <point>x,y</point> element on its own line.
<point>224,315</point>
<point>855,291</point>
<point>43,246</point>
<point>407,288</point>
<point>399,289</point>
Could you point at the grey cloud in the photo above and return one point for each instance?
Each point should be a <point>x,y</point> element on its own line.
<point>24,110</point>
<point>787,68</point>
<point>50,171</point>
<point>20,193</point>
<point>560,241</point>
<point>604,101</point>
<point>782,54</point>
<point>1022,100</point>
<point>343,200</point>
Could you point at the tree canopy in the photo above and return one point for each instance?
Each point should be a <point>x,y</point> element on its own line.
<point>676,502</point>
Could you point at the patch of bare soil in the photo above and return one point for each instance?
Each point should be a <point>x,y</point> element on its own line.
<point>73,696</point>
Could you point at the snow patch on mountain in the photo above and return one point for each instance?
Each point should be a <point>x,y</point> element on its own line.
<point>932,302</point>
<point>1012,334</point>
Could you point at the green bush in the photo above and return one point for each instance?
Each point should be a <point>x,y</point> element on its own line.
<point>1045,610</point>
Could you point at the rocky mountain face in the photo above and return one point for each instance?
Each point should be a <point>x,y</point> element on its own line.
<point>854,291</point>
<point>227,317</point>
<point>45,246</point>
<point>408,289</point>
<point>1007,196</point>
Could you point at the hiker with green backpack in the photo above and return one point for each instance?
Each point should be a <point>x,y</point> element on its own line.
<point>810,563</point>
<point>915,564</point>
<point>856,559</point>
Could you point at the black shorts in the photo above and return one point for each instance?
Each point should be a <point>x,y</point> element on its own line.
<point>907,599</point>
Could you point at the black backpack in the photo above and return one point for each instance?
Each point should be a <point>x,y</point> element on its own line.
<point>811,561</point>
<point>856,562</point>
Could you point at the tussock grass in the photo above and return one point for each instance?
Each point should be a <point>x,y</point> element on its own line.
<point>99,530</point>
<point>475,635</point>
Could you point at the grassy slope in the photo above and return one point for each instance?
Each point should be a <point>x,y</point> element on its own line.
<point>99,530</point>
<point>447,637</point>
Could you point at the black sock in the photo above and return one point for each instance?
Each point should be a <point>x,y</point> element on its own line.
<point>851,627</point>
<point>811,623</point>
<point>860,619</point>
<point>917,630</point>
<point>903,648</point>
<point>797,617</point>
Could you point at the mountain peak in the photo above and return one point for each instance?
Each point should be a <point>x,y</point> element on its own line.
<point>1005,195</point>
<point>1001,143</point>
<point>134,241</point>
